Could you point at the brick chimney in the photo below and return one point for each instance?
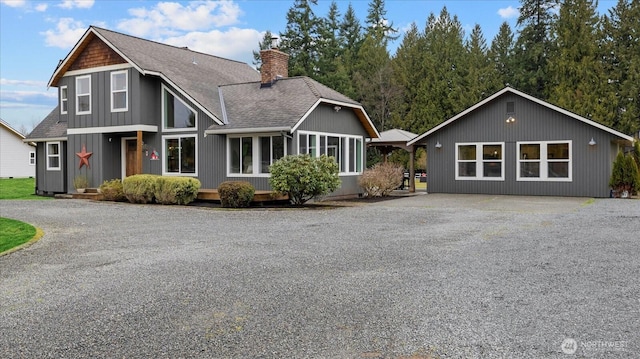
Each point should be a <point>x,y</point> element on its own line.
<point>275,65</point>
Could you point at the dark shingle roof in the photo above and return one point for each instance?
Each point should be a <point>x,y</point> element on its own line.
<point>283,104</point>
<point>51,127</point>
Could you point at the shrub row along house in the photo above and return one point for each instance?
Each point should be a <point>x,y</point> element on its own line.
<point>129,106</point>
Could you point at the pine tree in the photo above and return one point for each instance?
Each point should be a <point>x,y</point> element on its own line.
<point>576,75</point>
<point>533,46</point>
<point>300,38</point>
<point>621,33</point>
<point>330,51</point>
<point>481,77</point>
<point>501,55</point>
<point>350,37</point>
<point>379,26</point>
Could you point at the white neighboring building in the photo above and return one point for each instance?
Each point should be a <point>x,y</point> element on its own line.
<point>17,158</point>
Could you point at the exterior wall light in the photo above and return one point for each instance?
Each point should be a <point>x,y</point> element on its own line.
<point>438,144</point>
<point>592,142</point>
<point>511,119</point>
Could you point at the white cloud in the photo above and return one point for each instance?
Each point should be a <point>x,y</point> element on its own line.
<point>42,7</point>
<point>80,4</point>
<point>171,18</point>
<point>7,82</point>
<point>508,12</point>
<point>21,96</point>
<point>13,3</point>
<point>237,44</point>
<point>66,34</point>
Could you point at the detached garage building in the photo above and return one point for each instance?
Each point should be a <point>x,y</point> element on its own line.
<point>513,143</point>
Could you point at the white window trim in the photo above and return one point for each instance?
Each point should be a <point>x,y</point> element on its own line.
<point>544,161</point>
<point>255,153</point>
<point>479,162</point>
<point>59,155</point>
<point>163,115</point>
<point>64,100</point>
<point>350,153</point>
<point>78,112</point>
<point>126,90</point>
<point>32,158</point>
<point>164,155</point>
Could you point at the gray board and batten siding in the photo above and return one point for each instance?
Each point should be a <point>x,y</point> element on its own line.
<point>56,180</point>
<point>591,165</point>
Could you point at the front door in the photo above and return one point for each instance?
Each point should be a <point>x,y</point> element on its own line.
<point>130,157</point>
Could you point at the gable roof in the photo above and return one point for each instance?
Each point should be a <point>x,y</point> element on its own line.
<point>528,97</point>
<point>50,129</point>
<point>11,130</point>
<point>194,74</point>
<point>283,106</point>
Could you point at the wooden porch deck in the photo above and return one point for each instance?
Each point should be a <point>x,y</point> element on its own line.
<point>258,196</point>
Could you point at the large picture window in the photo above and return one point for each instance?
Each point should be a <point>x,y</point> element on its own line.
<point>544,161</point>
<point>180,155</point>
<point>64,100</point>
<point>83,95</point>
<point>119,91</point>
<point>347,150</point>
<point>53,156</point>
<point>176,115</point>
<point>480,161</point>
<point>254,155</point>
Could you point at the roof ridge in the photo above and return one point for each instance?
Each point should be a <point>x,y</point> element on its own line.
<point>311,86</point>
<point>183,48</point>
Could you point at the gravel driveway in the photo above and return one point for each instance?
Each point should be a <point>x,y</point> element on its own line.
<point>432,276</point>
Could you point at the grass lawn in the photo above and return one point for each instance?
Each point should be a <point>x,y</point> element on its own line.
<point>18,188</point>
<point>14,233</point>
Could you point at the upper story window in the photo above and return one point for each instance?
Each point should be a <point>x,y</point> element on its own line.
<point>64,100</point>
<point>346,150</point>
<point>83,95</point>
<point>480,161</point>
<point>176,115</point>
<point>119,91</point>
<point>53,156</point>
<point>544,161</point>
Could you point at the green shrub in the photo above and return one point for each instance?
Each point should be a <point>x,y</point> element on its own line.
<point>140,188</point>
<point>236,194</point>
<point>303,177</point>
<point>112,190</point>
<point>381,179</point>
<point>625,176</point>
<point>176,190</point>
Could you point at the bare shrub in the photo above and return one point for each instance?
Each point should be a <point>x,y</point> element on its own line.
<point>381,179</point>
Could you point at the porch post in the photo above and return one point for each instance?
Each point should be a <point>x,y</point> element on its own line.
<point>412,170</point>
<point>139,153</point>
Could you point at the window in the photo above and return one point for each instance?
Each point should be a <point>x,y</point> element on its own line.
<point>544,161</point>
<point>243,150</point>
<point>480,161</point>
<point>347,150</point>
<point>175,113</point>
<point>53,156</point>
<point>119,91</point>
<point>64,100</point>
<point>83,95</point>
<point>180,155</point>
<point>32,158</point>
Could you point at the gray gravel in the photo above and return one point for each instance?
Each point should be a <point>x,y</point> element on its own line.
<point>435,276</point>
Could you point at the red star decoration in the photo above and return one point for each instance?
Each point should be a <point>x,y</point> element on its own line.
<point>84,157</point>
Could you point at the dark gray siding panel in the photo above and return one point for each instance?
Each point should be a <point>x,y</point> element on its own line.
<point>325,119</point>
<point>94,173</point>
<point>591,165</point>
<point>49,182</point>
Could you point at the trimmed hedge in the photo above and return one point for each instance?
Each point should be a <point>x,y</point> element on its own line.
<point>112,190</point>
<point>236,194</point>
<point>147,188</point>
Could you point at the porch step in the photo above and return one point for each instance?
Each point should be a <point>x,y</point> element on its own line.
<point>89,193</point>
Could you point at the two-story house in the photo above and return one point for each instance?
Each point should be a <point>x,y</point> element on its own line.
<point>129,105</point>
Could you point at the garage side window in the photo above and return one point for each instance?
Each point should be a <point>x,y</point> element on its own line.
<point>544,161</point>
<point>480,161</point>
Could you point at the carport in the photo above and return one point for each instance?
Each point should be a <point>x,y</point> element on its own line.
<point>396,138</point>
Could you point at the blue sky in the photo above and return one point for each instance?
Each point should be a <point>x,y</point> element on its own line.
<point>35,35</point>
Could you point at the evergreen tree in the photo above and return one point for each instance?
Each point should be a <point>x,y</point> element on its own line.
<point>300,38</point>
<point>576,77</point>
<point>379,26</point>
<point>330,70</point>
<point>501,55</point>
<point>350,37</point>
<point>481,77</point>
<point>621,33</point>
<point>533,46</point>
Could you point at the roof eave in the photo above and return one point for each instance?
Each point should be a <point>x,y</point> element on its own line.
<point>231,131</point>
<point>359,110</point>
